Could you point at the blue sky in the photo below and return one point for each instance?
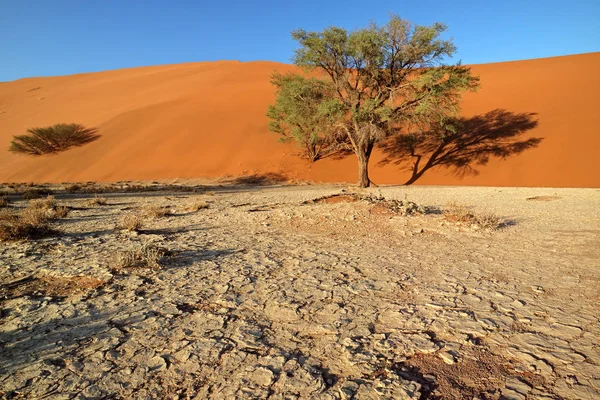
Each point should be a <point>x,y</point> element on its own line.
<point>59,37</point>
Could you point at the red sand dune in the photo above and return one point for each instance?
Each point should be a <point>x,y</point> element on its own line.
<point>208,120</point>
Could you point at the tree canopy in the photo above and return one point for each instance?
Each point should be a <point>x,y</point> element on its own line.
<point>301,113</point>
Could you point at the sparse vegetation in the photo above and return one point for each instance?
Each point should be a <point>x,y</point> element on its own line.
<point>46,203</point>
<point>197,205</point>
<point>73,188</point>
<point>146,256</point>
<point>61,212</point>
<point>462,214</point>
<point>32,221</point>
<point>96,201</point>
<point>36,193</point>
<point>52,139</point>
<point>405,207</point>
<point>156,211</point>
<point>131,223</point>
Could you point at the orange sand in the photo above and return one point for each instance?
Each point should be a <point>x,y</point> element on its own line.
<point>208,120</point>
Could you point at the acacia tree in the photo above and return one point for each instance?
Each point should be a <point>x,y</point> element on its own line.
<point>384,77</point>
<point>300,113</point>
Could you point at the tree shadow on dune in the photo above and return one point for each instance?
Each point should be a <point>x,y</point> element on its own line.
<point>462,144</point>
<point>53,139</point>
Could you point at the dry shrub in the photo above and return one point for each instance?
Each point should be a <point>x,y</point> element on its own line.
<point>463,214</point>
<point>155,211</point>
<point>197,205</point>
<point>32,221</point>
<point>30,194</point>
<point>60,212</point>
<point>131,222</point>
<point>96,201</point>
<point>13,227</point>
<point>146,256</point>
<point>3,202</point>
<point>47,203</point>
<point>45,209</point>
<point>73,188</point>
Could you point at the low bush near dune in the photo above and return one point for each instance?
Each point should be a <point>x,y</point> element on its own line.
<point>30,194</point>
<point>131,223</point>
<point>96,201</point>
<point>3,202</point>
<point>14,227</point>
<point>32,221</point>
<point>463,214</point>
<point>45,203</point>
<point>197,205</point>
<point>155,211</point>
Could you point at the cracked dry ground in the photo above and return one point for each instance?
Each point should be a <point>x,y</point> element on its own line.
<point>262,296</point>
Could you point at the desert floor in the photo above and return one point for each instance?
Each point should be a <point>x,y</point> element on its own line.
<point>266,293</point>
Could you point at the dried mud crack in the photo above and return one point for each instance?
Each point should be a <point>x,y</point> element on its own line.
<point>284,293</point>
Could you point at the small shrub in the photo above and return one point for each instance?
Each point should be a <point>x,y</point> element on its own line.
<point>30,194</point>
<point>463,214</point>
<point>489,221</point>
<point>3,202</point>
<point>96,201</point>
<point>47,203</point>
<point>45,209</point>
<point>155,211</point>
<point>197,205</point>
<point>27,224</point>
<point>406,207</point>
<point>131,222</point>
<point>146,256</point>
<point>52,139</point>
<point>60,212</point>
<point>73,188</point>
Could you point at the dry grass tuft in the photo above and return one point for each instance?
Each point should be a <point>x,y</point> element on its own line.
<point>96,201</point>
<point>146,256</point>
<point>197,205</point>
<point>463,214</point>
<point>61,212</point>
<point>155,211</point>
<point>13,227</point>
<point>30,194</point>
<point>31,222</point>
<point>47,203</point>
<point>131,223</point>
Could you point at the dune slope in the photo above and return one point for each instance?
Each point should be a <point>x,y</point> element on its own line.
<point>208,120</point>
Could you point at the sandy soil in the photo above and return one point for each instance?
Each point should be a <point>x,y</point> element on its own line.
<point>269,294</point>
<point>208,120</point>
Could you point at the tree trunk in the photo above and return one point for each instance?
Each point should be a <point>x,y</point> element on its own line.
<point>363,169</point>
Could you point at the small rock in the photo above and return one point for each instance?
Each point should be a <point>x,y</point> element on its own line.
<point>262,376</point>
<point>571,380</point>
<point>447,357</point>
<point>517,385</point>
<point>537,289</point>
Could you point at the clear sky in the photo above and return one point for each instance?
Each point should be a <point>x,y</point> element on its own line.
<point>59,37</point>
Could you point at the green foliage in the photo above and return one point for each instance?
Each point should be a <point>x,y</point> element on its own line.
<point>385,77</point>
<point>305,111</point>
<point>52,139</point>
